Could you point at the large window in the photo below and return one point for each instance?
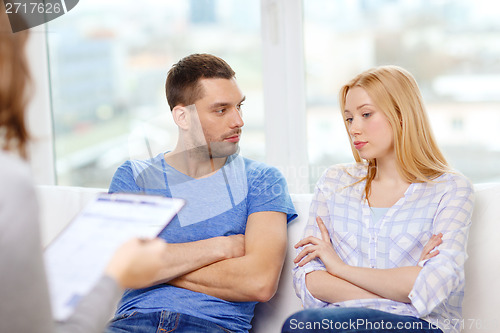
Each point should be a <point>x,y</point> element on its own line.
<point>452,49</point>
<point>108,64</point>
<point>109,59</point>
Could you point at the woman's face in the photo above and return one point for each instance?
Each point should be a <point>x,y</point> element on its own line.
<point>368,126</point>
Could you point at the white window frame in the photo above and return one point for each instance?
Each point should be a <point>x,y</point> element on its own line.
<point>284,90</point>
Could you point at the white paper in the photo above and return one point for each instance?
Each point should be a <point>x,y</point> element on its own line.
<point>76,259</point>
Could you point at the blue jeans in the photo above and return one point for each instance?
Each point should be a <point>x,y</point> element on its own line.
<point>162,322</point>
<point>354,320</point>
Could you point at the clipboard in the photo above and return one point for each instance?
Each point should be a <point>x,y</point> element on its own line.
<point>76,259</point>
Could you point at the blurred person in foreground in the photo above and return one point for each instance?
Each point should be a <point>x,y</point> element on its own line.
<point>24,298</point>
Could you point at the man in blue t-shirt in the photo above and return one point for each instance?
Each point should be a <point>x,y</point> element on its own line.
<point>231,233</point>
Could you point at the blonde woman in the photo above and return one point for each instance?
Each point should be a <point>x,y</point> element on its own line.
<point>363,266</point>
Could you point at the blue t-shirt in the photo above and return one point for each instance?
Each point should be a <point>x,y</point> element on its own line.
<point>218,205</point>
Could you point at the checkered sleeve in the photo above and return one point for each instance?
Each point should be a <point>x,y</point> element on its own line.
<point>318,208</point>
<point>441,275</point>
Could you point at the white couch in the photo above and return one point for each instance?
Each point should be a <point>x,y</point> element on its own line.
<point>58,204</point>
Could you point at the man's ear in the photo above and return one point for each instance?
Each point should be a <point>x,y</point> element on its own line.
<point>181,116</point>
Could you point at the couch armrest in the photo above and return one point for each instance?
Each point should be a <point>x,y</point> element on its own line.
<point>58,205</point>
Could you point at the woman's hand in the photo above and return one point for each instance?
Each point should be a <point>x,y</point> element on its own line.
<point>137,263</point>
<point>429,250</point>
<point>319,248</point>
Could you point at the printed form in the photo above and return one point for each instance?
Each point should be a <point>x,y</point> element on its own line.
<point>77,258</point>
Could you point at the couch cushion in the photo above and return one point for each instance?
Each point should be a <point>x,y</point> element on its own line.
<point>270,316</point>
<point>482,269</point>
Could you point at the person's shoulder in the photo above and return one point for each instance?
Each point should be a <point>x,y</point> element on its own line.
<point>255,168</point>
<point>347,173</point>
<point>135,174</point>
<point>455,179</point>
<point>15,171</point>
<point>16,178</point>
<point>138,165</point>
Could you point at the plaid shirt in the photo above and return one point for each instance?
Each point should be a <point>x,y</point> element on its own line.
<point>396,240</point>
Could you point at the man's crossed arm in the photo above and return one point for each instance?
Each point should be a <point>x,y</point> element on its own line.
<point>229,273</point>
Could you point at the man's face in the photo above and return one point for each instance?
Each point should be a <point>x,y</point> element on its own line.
<point>220,117</point>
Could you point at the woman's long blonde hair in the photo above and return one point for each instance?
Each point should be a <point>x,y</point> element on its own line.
<point>14,79</point>
<point>395,92</point>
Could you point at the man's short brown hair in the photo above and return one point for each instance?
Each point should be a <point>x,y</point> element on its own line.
<point>182,86</point>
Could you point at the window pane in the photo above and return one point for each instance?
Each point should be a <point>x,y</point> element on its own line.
<point>108,64</point>
<point>451,47</point>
